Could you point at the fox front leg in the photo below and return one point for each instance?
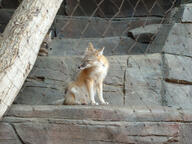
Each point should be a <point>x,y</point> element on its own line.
<point>90,85</point>
<point>100,92</point>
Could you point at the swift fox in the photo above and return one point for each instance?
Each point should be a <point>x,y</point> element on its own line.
<point>93,70</point>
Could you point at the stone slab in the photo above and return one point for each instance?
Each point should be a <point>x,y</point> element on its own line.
<point>50,76</point>
<point>178,95</point>
<point>72,27</point>
<point>186,16</point>
<point>99,124</point>
<point>174,39</point>
<point>8,135</point>
<point>178,67</point>
<point>100,113</point>
<point>143,81</point>
<point>94,27</point>
<point>186,133</point>
<point>47,81</point>
<point>145,34</point>
<point>113,46</point>
<point>113,94</point>
<point>179,40</point>
<point>96,132</point>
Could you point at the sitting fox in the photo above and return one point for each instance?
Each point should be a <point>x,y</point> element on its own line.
<point>94,67</point>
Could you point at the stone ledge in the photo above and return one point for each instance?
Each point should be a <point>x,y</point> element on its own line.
<point>132,80</point>
<point>84,27</point>
<point>102,113</point>
<point>113,46</point>
<point>50,76</point>
<point>182,14</point>
<point>96,124</point>
<point>133,76</point>
<point>173,39</point>
<point>75,132</point>
<point>7,134</point>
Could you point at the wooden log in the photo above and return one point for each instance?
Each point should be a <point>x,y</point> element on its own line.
<point>20,44</point>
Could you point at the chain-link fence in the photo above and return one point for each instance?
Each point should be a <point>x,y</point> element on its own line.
<point>127,20</point>
<point>134,34</point>
<point>148,45</point>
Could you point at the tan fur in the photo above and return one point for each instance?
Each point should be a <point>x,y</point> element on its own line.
<point>89,80</point>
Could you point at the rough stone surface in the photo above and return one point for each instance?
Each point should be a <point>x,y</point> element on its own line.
<point>178,68</point>
<point>8,135</point>
<point>114,82</point>
<point>146,33</point>
<point>178,80</point>
<point>96,132</point>
<point>178,95</point>
<point>113,46</point>
<point>139,83</point>
<point>180,14</point>
<point>86,27</point>
<point>131,80</point>
<point>117,69</point>
<point>179,40</point>
<point>95,27</point>
<point>97,124</point>
<point>174,39</point>
<point>113,94</point>
<point>47,82</point>
<point>108,8</point>
<point>186,17</point>
<point>98,113</point>
<point>186,133</point>
<point>143,80</point>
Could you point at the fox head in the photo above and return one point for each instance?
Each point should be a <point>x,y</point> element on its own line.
<point>92,57</point>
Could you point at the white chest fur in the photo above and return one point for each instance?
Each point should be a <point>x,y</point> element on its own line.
<point>99,73</point>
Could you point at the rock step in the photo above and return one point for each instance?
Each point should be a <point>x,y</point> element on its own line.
<point>113,46</point>
<point>96,124</point>
<point>94,27</point>
<point>47,82</point>
<point>101,113</point>
<point>136,42</point>
<point>124,83</point>
<point>152,79</point>
<point>174,39</point>
<point>86,27</point>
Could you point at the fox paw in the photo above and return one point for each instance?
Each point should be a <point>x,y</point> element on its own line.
<point>95,103</point>
<point>105,103</point>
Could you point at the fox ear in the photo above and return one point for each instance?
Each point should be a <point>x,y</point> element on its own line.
<point>100,52</point>
<point>91,47</point>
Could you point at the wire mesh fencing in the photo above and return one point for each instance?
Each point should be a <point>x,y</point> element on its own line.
<point>147,43</point>
<point>140,39</point>
<point>143,41</point>
<point>134,34</point>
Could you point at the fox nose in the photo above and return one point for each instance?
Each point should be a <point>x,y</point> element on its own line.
<point>81,66</point>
